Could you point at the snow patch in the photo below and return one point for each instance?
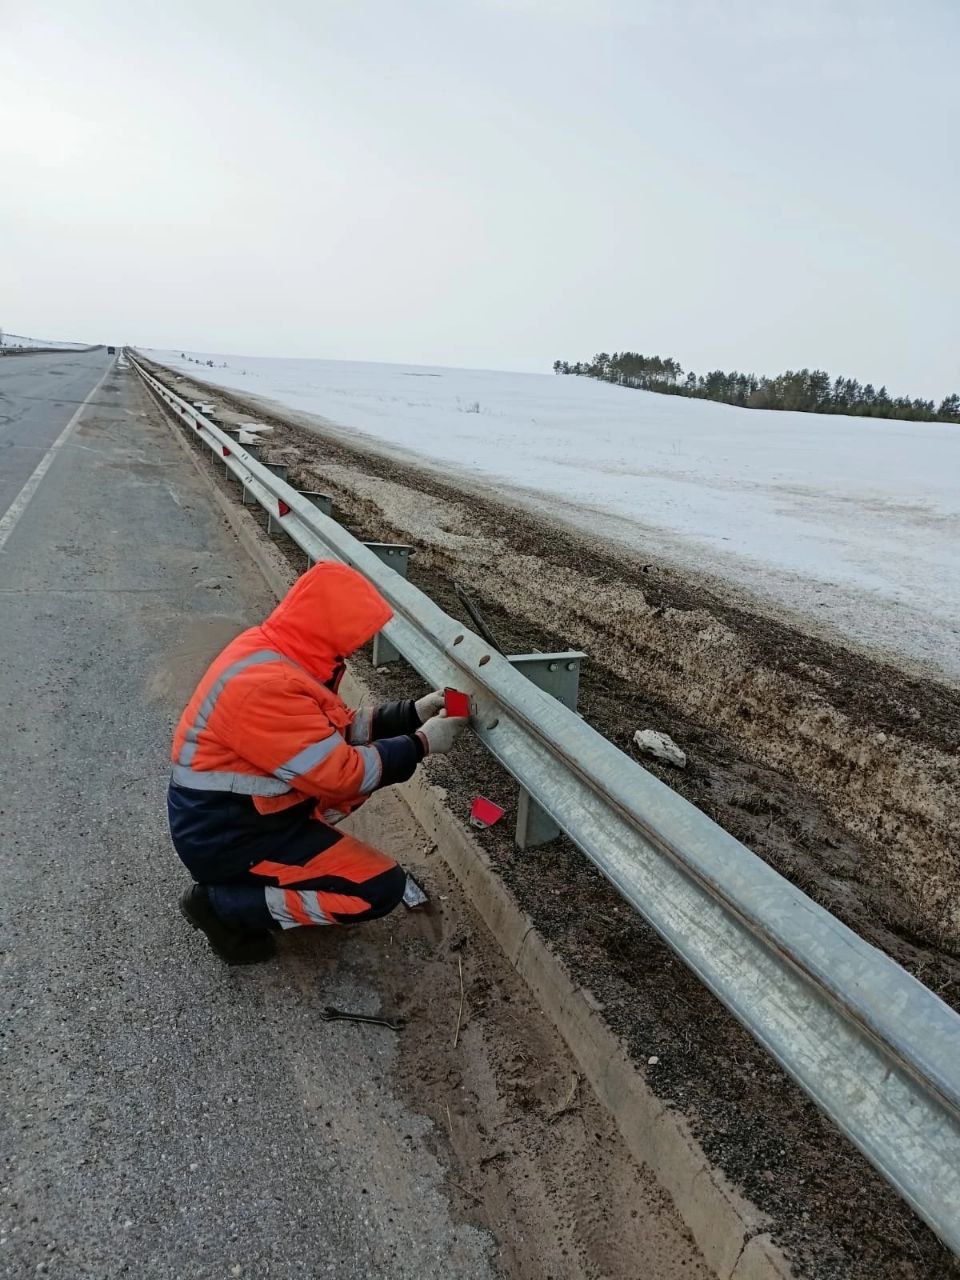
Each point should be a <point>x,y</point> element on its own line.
<point>18,340</point>
<point>853,523</point>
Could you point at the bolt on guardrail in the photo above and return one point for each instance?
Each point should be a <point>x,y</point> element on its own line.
<point>876,1050</point>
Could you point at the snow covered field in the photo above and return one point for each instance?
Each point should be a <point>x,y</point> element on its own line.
<point>853,523</point>
<point>18,340</point>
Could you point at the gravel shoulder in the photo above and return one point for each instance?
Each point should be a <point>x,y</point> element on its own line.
<point>839,770</point>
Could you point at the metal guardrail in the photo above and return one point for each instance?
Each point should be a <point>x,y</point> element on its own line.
<point>876,1050</point>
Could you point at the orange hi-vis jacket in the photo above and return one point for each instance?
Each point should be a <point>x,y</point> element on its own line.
<point>266,722</point>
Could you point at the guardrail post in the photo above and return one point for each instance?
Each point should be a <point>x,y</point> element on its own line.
<point>396,555</point>
<point>559,675</point>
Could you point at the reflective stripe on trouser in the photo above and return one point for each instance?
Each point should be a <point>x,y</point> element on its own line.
<point>294,907</point>
<point>321,877</point>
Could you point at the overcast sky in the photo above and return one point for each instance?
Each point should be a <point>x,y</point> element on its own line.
<point>491,183</point>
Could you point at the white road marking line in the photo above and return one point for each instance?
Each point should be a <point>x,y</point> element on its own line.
<point>20,503</point>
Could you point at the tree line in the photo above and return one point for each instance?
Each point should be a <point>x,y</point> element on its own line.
<point>806,390</point>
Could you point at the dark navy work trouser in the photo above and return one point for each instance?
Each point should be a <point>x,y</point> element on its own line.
<point>278,870</point>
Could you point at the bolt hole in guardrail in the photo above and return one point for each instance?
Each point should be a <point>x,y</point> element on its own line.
<point>876,1050</point>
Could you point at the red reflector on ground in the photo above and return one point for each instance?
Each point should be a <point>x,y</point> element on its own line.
<point>282,507</point>
<point>484,813</point>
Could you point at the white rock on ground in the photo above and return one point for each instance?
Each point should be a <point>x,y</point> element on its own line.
<point>660,745</point>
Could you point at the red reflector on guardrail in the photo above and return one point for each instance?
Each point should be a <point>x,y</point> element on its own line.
<point>226,452</point>
<point>282,507</point>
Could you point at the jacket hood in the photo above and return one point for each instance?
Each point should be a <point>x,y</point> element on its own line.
<point>326,615</point>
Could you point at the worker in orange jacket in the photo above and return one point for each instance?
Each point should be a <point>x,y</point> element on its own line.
<point>267,759</point>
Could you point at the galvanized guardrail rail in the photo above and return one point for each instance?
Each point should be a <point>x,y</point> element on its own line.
<point>875,1049</point>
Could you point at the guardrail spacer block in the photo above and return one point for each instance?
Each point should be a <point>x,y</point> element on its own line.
<point>226,465</point>
<point>279,469</point>
<point>397,556</point>
<point>559,675</point>
<point>246,497</point>
<point>322,501</point>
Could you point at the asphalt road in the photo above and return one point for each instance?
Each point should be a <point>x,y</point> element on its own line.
<point>38,396</point>
<point>162,1116</point>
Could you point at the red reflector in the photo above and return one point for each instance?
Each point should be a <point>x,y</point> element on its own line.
<point>456,703</point>
<point>282,507</point>
<point>484,813</point>
<point>226,452</point>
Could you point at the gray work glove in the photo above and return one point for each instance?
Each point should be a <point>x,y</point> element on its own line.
<point>429,705</point>
<point>440,732</point>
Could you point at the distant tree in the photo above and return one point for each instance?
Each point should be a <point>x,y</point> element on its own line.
<point>801,390</point>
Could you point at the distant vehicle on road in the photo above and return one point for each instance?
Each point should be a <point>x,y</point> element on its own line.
<point>111,351</point>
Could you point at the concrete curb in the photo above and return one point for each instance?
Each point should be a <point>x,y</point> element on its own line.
<point>727,1228</point>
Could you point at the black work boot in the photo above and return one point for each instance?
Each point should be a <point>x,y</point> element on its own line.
<point>235,946</point>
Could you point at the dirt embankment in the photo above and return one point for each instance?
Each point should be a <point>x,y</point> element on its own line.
<point>662,649</point>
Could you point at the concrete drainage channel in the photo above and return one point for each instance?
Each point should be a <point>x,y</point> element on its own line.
<point>725,1226</point>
